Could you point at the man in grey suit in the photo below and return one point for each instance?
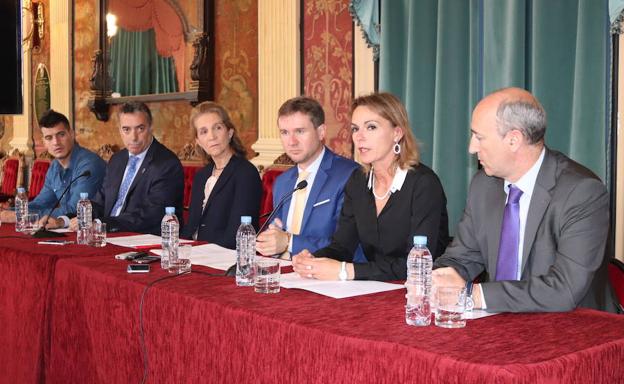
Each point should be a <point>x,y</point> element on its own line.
<point>535,221</point>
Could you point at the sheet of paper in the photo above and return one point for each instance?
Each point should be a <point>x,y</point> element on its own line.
<point>60,230</point>
<point>139,241</point>
<point>215,256</point>
<point>336,289</point>
<point>478,313</point>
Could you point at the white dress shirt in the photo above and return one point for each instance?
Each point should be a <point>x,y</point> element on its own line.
<point>312,171</point>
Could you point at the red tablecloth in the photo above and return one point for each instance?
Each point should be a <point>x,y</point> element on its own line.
<point>26,282</point>
<point>201,329</point>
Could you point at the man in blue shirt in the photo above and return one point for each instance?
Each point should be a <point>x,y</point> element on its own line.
<point>70,161</point>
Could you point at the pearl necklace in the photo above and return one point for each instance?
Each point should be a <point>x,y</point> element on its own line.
<point>385,195</point>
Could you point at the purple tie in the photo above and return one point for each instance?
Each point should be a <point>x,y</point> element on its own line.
<point>507,264</point>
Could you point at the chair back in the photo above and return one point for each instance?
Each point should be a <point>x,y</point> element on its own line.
<point>616,276</point>
<point>189,175</point>
<point>9,177</point>
<point>37,177</point>
<point>268,178</point>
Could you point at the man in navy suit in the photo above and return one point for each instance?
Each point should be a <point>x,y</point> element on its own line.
<point>141,180</point>
<point>301,122</point>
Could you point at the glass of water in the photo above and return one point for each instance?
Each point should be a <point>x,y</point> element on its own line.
<point>451,304</point>
<point>31,223</point>
<point>267,276</point>
<point>182,264</point>
<point>98,234</point>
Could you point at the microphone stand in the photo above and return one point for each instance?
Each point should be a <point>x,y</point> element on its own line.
<point>302,184</point>
<point>44,233</point>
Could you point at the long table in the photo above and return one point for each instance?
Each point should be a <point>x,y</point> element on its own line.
<point>26,282</point>
<point>76,320</point>
<point>200,328</point>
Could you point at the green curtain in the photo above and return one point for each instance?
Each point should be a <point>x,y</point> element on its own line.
<point>442,56</point>
<point>136,67</point>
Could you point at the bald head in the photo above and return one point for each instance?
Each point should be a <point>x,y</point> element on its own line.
<point>515,108</point>
<point>508,129</point>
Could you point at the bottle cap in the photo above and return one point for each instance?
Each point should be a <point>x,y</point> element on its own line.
<point>169,210</point>
<point>84,195</point>
<point>420,240</point>
<point>21,190</point>
<point>245,219</point>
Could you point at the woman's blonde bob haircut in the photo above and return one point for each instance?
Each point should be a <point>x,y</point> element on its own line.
<point>390,108</point>
<point>211,107</point>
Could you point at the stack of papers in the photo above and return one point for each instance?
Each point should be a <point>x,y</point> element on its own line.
<point>140,241</point>
<point>336,289</point>
<point>215,256</point>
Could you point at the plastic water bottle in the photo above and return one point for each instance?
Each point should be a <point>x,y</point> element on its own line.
<point>170,233</point>
<point>419,265</point>
<point>21,208</point>
<point>84,212</point>
<point>245,252</point>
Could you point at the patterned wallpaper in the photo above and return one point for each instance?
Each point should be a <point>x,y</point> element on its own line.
<point>327,75</point>
<point>236,84</point>
<point>42,56</point>
<point>328,66</point>
<point>236,62</point>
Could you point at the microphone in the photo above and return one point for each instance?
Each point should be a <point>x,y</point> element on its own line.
<point>42,232</point>
<point>301,185</point>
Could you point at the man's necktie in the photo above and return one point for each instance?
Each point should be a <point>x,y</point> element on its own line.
<point>125,184</point>
<point>507,264</point>
<point>299,205</point>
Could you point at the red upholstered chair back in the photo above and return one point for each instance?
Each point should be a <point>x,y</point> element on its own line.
<point>37,177</point>
<point>268,178</point>
<point>9,177</point>
<point>189,174</point>
<point>616,276</point>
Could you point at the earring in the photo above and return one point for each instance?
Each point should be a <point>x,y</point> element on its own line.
<point>397,148</point>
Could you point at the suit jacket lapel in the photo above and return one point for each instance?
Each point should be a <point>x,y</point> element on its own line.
<point>117,173</point>
<point>319,182</point>
<point>227,173</point>
<point>540,200</point>
<point>289,185</point>
<point>495,196</point>
<point>140,171</point>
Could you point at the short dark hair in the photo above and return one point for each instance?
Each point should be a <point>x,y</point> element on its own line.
<point>306,105</point>
<point>51,118</point>
<point>136,106</point>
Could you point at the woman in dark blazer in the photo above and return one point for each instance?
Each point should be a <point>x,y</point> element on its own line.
<point>228,187</point>
<point>392,199</point>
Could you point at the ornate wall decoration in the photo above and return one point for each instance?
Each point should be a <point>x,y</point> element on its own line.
<point>40,57</point>
<point>236,75</point>
<point>328,66</point>
<point>236,82</point>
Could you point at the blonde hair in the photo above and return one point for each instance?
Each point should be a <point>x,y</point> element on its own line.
<point>390,108</point>
<point>211,107</point>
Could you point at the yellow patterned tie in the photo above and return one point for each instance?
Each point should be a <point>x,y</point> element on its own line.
<point>299,207</point>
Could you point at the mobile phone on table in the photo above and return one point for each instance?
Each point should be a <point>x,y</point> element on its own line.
<point>146,259</point>
<point>130,255</point>
<point>138,268</point>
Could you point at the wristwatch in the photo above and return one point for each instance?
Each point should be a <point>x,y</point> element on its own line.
<point>469,301</point>
<point>343,271</point>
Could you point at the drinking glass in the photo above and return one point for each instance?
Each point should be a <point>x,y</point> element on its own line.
<point>451,304</point>
<point>31,223</point>
<point>98,234</point>
<point>267,276</point>
<point>182,264</point>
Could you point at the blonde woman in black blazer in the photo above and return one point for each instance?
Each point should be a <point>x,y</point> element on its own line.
<point>228,187</point>
<point>392,199</point>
